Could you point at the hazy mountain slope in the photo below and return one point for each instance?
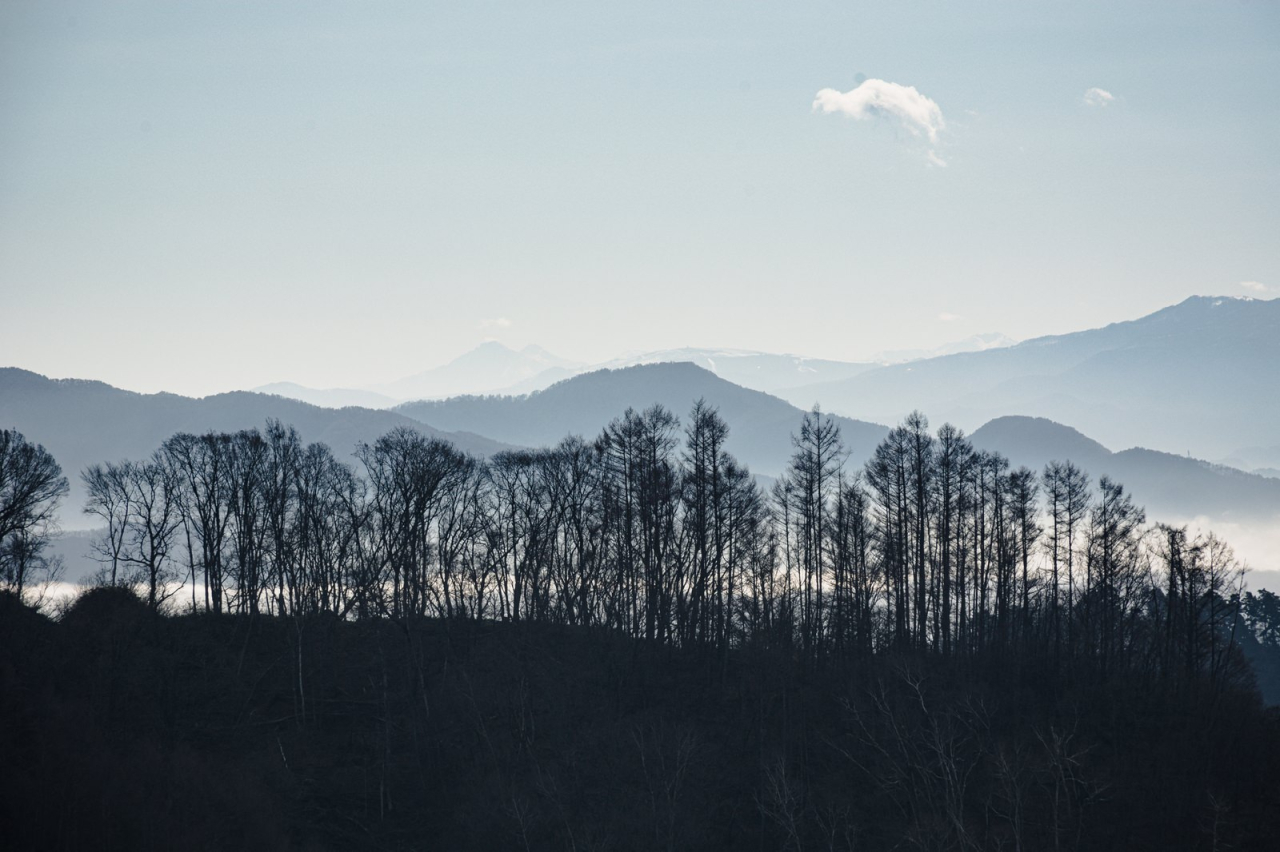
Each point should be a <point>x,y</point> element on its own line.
<point>762,371</point>
<point>1171,487</point>
<point>1199,376</point>
<point>1035,441</point>
<point>488,368</point>
<point>974,343</point>
<point>493,368</point>
<point>539,381</point>
<point>329,397</point>
<point>760,426</point>
<point>84,422</point>
<point>1255,459</point>
<point>774,373</point>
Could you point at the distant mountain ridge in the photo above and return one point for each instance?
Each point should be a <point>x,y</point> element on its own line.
<point>761,371</point>
<point>85,422</point>
<point>767,371</point>
<point>974,343</point>
<point>328,397</point>
<point>1171,487</point>
<point>760,425</point>
<point>1198,376</point>
<point>82,422</point>
<point>489,368</point>
<point>493,368</point>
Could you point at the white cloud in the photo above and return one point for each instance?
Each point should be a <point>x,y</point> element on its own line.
<point>496,322</point>
<point>1096,97</point>
<point>936,160</point>
<point>946,317</point>
<point>1255,286</point>
<point>917,113</point>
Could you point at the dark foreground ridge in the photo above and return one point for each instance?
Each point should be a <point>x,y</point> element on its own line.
<point>123,728</point>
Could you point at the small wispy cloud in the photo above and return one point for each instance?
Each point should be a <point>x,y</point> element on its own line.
<point>879,98</point>
<point>1255,286</point>
<point>1096,97</point>
<point>946,317</point>
<point>495,322</point>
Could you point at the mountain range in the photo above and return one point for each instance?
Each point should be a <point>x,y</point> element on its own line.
<point>1202,376</point>
<point>494,368</point>
<point>489,368</point>
<point>86,422</point>
<point>761,371</point>
<point>974,343</point>
<point>329,397</point>
<point>1170,487</point>
<point>760,425</point>
<point>1199,377</point>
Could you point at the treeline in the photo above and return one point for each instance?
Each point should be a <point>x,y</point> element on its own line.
<point>627,643</point>
<point>654,530</point>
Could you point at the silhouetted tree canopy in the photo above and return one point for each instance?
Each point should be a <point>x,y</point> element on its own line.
<point>31,487</point>
<point>628,643</point>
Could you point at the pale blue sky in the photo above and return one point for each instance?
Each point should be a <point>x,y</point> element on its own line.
<point>198,197</point>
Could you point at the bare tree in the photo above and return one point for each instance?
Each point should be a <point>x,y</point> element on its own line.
<point>203,466</point>
<point>155,518</point>
<point>1114,572</point>
<point>31,488</point>
<point>813,476</point>
<point>110,499</point>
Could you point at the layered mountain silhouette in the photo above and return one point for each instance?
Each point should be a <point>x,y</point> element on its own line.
<point>1171,487</point>
<point>768,371</point>
<point>1200,377</point>
<point>1264,461</point>
<point>493,368</point>
<point>973,343</point>
<point>488,368</point>
<point>762,371</point>
<point>760,425</point>
<point>329,397</point>
<point>86,422</point>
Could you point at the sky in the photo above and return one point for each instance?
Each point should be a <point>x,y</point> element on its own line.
<point>197,197</point>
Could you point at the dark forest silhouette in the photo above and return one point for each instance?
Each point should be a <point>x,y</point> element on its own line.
<point>628,642</point>
<point>654,530</point>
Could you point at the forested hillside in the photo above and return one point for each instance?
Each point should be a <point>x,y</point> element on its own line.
<point>628,643</point>
<point>124,730</point>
